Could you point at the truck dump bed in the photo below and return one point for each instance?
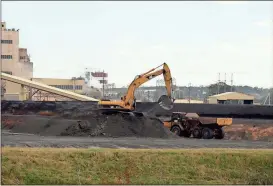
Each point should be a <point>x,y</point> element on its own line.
<point>213,120</point>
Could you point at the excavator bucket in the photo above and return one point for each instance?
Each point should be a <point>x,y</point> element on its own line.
<point>166,102</point>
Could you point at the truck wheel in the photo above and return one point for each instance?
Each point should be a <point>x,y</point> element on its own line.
<point>207,133</point>
<point>176,130</point>
<point>186,134</point>
<point>197,133</point>
<point>219,133</point>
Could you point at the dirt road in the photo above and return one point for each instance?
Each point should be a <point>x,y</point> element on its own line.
<point>30,140</point>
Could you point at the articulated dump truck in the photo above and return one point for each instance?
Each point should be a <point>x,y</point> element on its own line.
<point>191,124</point>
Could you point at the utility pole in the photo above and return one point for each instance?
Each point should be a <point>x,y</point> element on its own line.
<point>269,99</point>
<point>189,92</point>
<point>231,82</point>
<point>218,84</point>
<point>225,82</point>
<point>103,85</point>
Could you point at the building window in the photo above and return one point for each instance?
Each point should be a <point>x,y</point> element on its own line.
<point>6,41</point>
<point>22,57</point>
<point>6,56</point>
<point>78,87</point>
<point>67,87</point>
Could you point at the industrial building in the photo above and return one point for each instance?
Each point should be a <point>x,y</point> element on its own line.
<point>14,60</point>
<point>41,87</point>
<point>49,89</point>
<point>76,85</point>
<point>231,98</point>
<point>188,101</point>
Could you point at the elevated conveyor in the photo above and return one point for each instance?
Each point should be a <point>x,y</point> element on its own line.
<point>47,88</point>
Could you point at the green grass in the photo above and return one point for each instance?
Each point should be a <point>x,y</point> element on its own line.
<point>109,166</point>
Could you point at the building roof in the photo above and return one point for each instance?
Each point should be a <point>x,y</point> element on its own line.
<point>232,96</point>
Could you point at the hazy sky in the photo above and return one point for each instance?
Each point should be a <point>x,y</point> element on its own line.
<point>197,39</point>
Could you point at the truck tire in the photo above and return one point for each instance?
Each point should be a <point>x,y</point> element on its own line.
<point>219,133</point>
<point>176,129</point>
<point>186,134</point>
<point>207,133</point>
<point>197,133</point>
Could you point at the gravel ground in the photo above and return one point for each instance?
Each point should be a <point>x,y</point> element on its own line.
<point>30,140</point>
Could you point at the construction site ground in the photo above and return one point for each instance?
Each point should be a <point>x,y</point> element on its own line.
<point>45,131</point>
<point>67,125</point>
<point>30,140</point>
<point>142,150</point>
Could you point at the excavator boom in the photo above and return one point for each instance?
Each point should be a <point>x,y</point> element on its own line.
<point>128,101</point>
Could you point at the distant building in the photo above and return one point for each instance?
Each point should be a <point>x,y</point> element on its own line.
<point>14,60</point>
<point>76,85</point>
<point>231,98</point>
<point>187,101</point>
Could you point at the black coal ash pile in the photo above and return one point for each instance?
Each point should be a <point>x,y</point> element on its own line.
<point>120,125</point>
<point>89,124</point>
<point>34,107</point>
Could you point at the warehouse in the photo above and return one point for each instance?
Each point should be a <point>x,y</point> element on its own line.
<point>231,98</point>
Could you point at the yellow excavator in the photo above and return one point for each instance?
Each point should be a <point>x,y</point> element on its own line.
<point>128,101</point>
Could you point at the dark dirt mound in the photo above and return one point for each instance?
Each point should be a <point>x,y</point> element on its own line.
<point>118,126</point>
<point>87,124</point>
<point>32,124</point>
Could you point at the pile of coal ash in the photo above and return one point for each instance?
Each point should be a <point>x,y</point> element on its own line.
<point>88,124</point>
<point>118,126</point>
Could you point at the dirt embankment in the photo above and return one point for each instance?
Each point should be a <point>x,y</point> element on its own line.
<point>209,110</point>
<point>261,132</point>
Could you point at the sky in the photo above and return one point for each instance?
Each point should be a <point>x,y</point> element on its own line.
<point>197,40</point>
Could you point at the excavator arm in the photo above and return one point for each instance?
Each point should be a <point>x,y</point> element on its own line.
<point>128,101</point>
<point>129,98</point>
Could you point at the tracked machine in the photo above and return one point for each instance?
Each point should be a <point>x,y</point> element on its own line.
<point>127,103</point>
